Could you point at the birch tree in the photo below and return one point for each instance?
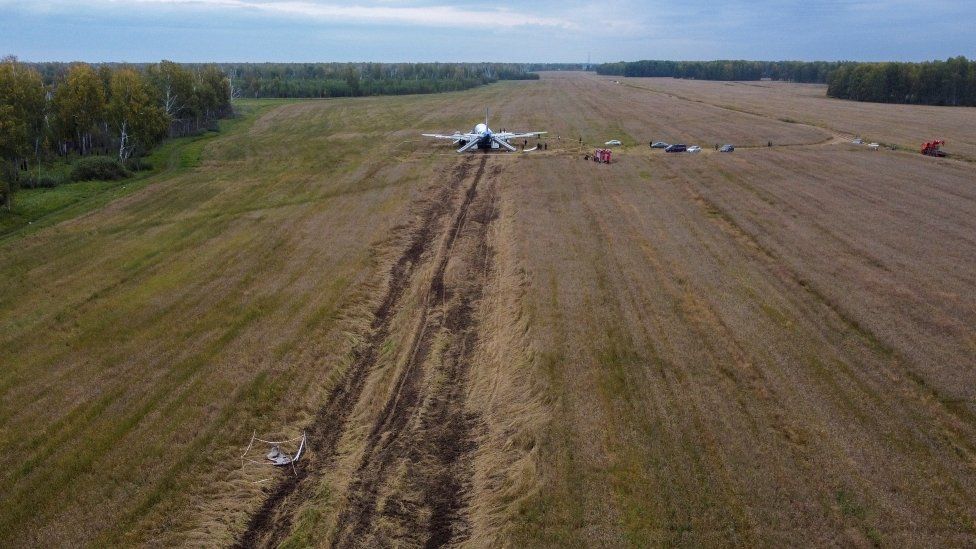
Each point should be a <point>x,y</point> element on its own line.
<point>133,114</point>
<point>213,92</point>
<point>79,104</point>
<point>22,109</point>
<point>174,89</point>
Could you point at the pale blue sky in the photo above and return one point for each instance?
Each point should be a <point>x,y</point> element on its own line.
<point>436,30</point>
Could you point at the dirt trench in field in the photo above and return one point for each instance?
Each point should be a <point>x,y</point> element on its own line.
<point>413,479</point>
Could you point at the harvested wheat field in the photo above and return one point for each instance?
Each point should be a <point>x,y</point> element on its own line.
<point>774,347</point>
<point>900,126</point>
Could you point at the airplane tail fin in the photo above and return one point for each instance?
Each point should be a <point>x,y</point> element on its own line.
<point>486,116</point>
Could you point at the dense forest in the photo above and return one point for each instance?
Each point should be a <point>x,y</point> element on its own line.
<point>794,71</point>
<point>365,79</point>
<point>100,115</point>
<point>543,67</point>
<point>951,82</point>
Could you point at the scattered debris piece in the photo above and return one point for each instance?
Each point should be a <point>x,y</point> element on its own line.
<point>276,456</point>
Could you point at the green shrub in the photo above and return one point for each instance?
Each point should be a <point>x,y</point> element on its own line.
<point>47,182</point>
<point>26,180</point>
<point>139,164</point>
<point>32,181</point>
<point>104,168</point>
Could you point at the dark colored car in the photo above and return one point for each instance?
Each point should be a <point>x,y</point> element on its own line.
<point>676,148</point>
<point>659,145</point>
<point>727,149</point>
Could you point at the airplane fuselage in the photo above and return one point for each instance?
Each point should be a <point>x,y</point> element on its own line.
<point>484,140</point>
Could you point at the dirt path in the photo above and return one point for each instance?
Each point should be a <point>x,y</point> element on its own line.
<point>416,467</point>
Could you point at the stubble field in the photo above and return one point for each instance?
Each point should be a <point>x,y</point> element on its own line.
<point>773,347</point>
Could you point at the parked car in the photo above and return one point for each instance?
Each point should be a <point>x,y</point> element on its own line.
<point>694,149</point>
<point>677,148</point>
<point>659,145</point>
<point>727,149</point>
<point>857,141</point>
<point>613,143</point>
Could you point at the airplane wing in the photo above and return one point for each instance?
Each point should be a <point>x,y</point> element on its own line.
<point>510,135</point>
<point>456,136</point>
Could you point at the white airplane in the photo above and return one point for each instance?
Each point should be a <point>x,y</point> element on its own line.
<point>483,138</point>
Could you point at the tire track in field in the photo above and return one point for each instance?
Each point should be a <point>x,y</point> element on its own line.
<point>271,524</point>
<point>412,484</point>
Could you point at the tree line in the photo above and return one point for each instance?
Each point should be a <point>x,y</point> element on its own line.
<point>61,110</point>
<point>793,71</point>
<point>256,80</point>
<point>950,82</point>
<point>56,110</point>
<point>543,67</point>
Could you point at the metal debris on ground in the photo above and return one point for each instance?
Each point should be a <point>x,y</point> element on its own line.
<point>276,456</point>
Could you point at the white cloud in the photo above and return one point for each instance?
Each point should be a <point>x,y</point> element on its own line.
<point>331,12</point>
